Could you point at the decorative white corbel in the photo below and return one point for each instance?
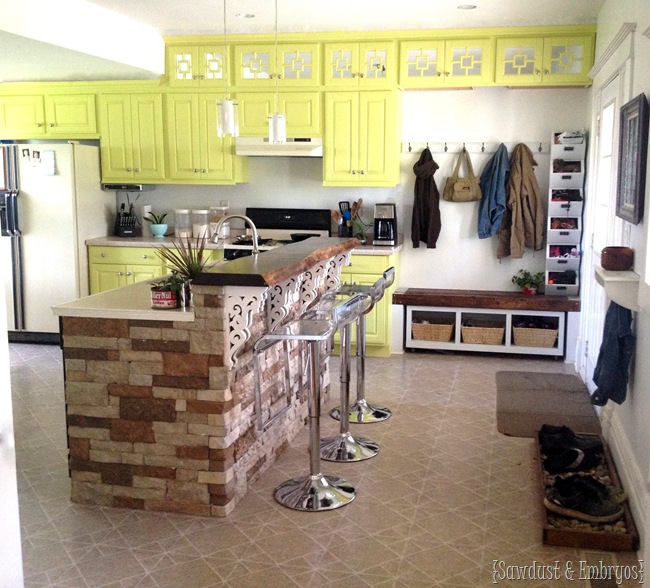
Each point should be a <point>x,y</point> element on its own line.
<point>334,266</point>
<point>281,299</point>
<point>242,302</point>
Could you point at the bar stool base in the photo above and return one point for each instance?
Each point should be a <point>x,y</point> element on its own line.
<point>362,413</point>
<point>345,447</point>
<point>315,493</point>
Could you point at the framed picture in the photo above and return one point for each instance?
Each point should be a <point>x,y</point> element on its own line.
<point>632,155</point>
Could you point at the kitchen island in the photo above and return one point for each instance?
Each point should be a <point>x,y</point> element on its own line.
<point>170,410</point>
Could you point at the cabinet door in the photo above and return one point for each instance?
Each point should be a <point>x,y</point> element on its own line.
<point>70,115</point>
<point>183,142</point>
<point>196,65</point>
<point>140,273</point>
<point>148,145</point>
<point>468,62</point>
<point>421,64</point>
<point>254,65</point>
<point>217,159</point>
<point>302,111</point>
<point>376,137</point>
<point>116,130</point>
<point>297,65</point>
<point>519,61</point>
<point>360,64</point>
<point>21,116</point>
<point>106,276</point>
<point>567,60</point>
<point>341,148</point>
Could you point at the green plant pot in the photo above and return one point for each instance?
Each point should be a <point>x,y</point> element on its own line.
<point>158,230</point>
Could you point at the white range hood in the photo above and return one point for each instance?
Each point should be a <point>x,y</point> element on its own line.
<point>294,147</point>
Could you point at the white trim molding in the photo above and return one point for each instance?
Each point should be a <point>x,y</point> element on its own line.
<point>624,32</point>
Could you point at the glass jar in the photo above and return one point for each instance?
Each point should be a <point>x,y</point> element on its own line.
<point>182,223</point>
<point>216,214</point>
<point>200,224</point>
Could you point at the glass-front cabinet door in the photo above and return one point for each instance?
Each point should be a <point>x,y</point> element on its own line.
<point>453,63</point>
<point>196,65</point>
<point>547,61</point>
<point>296,65</point>
<point>366,65</point>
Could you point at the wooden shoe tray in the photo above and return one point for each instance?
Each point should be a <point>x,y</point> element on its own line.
<point>568,532</point>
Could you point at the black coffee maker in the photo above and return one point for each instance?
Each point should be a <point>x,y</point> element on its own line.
<point>385,224</point>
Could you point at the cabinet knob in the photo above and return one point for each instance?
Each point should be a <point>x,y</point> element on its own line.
<point>203,171</point>
<point>39,124</point>
<point>51,125</point>
<point>538,71</point>
<point>120,273</point>
<point>137,169</point>
<point>354,171</point>
<point>447,73</point>
<point>361,172</point>
<point>196,171</point>
<point>128,169</point>
<point>129,273</point>
<point>546,72</point>
<point>360,75</point>
<point>102,255</point>
<point>145,256</point>
<point>439,74</point>
<point>193,77</point>
<point>202,77</point>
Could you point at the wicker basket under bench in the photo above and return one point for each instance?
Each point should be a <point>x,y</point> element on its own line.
<point>488,321</point>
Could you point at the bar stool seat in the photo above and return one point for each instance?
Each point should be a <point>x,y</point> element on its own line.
<point>316,491</point>
<point>361,411</point>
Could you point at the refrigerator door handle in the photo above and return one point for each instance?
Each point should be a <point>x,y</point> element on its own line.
<point>14,225</point>
<point>4,215</point>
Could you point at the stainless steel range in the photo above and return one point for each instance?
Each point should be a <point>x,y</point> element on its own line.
<point>279,226</point>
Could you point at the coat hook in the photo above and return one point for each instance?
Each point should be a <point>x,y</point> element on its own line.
<point>410,148</point>
<point>540,147</point>
<point>445,146</point>
<point>482,147</point>
<point>463,145</point>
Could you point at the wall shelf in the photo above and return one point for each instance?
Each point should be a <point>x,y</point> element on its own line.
<point>621,287</point>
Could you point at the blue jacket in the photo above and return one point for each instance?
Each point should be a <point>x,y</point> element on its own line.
<point>611,371</point>
<point>493,185</point>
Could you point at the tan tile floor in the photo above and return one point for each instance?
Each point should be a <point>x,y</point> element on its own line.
<point>446,497</point>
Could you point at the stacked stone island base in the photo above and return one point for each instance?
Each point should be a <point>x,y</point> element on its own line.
<point>161,413</point>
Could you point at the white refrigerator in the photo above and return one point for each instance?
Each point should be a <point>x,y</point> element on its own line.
<point>51,201</point>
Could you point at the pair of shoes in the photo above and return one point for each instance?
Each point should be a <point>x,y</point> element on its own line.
<point>583,498</point>
<point>566,451</point>
<point>554,439</point>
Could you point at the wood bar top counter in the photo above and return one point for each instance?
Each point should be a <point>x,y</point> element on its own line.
<point>276,265</point>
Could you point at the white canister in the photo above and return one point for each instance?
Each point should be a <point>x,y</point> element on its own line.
<point>182,223</point>
<point>200,224</point>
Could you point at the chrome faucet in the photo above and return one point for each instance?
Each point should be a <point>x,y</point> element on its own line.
<point>215,236</point>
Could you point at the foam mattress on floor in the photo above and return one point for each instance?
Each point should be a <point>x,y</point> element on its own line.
<point>527,400</point>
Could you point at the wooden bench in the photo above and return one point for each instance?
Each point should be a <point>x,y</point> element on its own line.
<point>511,322</point>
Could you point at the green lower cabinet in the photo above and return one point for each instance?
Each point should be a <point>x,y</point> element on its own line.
<point>114,267</point>
<point>366,270</point>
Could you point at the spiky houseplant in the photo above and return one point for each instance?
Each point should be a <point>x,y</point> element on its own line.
<point>187,257</point>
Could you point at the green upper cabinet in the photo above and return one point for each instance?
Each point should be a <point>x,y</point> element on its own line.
<point>452,63</point>
<point>361,65</point>
<point>360,143</point>
<point>551,61</point>
<point>193,66</point>
<point>194,151</point>
<point>68,116</point>
<point>132,147</point>
<point>301,109</point>
<point>297,64</point>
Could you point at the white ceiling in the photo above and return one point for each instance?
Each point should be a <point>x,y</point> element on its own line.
<point>28,59</point>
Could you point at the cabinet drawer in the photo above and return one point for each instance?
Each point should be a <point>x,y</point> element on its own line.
<point>576,151</point>
<point>137,255</point>
<point>562,283</point>
<point>564,230</point>
<point>567,173</point>
<point>562,257</point>
<point>565,202</point>
<point>367,264</point>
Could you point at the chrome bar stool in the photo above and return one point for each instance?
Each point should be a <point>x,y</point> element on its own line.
<point>361,411</point>
<point>344,447</point>
<point>315,491</point>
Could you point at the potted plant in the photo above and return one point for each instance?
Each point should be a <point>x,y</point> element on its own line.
<point>158,225</point>
<point>166,293</point>
<point>187,258</point>
<point>528,282</point>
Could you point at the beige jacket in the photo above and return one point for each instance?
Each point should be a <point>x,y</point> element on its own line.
<point>523,222</point>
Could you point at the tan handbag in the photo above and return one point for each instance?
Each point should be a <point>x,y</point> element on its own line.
<point>462,189</point>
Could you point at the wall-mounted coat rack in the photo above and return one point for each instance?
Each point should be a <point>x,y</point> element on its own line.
<point>455,147</point>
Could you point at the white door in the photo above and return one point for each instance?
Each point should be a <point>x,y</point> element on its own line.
<point>603,228</point>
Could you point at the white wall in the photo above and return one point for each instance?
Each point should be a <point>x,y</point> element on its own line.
<point>630,432</point>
